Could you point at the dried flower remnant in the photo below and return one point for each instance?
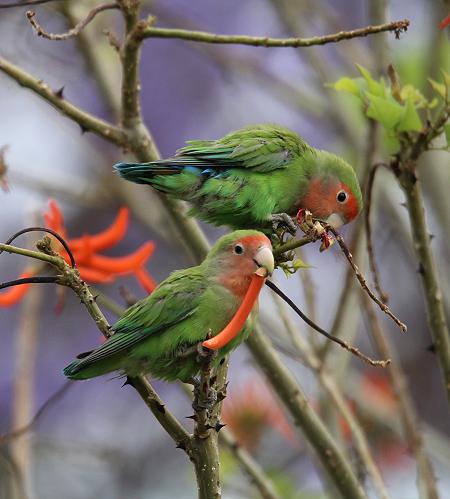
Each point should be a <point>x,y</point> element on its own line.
<point>444,23</point>
<point>94,267</point>
<point>250,411</point>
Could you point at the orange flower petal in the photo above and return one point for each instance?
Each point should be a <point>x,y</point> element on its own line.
<point>108,238</point>
<point>14,294</point>
<point>54,218</point>
<point>146,280</point>
<point>123,264</point>
<point>83,251</point>
<point>93,275</point>
<point>236,323</point>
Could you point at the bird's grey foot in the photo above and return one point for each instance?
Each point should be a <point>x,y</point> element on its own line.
<point>205,355</point>
<point>283,220</point>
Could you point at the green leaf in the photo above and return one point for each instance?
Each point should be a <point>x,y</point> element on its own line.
<point>447,134</point>
<point>298,263</point>
<point>391,141</point>
<point>347,84</point>
<point>434,102</point>
<point>387,111</point>
<point>410,121</point>
<point>438,87</point>
<point>374,87</point>
<point>446,78</point>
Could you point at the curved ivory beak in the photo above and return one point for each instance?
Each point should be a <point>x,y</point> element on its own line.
<point>335,220</point>
<point>264,258</point>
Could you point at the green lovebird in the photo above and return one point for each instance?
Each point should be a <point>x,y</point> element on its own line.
<point>159,334</point>
<point>250,177</point>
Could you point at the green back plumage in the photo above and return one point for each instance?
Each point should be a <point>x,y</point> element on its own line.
<point>259,148</point>
<point>177,314</point>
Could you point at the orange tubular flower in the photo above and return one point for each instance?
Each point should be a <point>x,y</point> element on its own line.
<point>14,294</point>
<point>93,267</point>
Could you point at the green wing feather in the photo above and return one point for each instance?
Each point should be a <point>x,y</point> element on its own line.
<point>261,148</point>
<point>175,300</point>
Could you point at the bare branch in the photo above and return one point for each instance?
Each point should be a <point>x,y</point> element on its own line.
<point>86,121</point>
<point>263,41</point>
<point>25,3</point>
<point>75,31</point>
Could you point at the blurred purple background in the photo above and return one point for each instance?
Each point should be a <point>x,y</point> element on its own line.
<point>99,440</point>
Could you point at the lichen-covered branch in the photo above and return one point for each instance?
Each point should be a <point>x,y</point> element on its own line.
<point>264,41</point>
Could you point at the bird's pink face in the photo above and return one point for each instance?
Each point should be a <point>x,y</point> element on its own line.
<point>331,201</point>
<point>243,257</point>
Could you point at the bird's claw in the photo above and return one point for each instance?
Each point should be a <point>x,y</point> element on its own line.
<point>205,355</point>
<point>283,220</point>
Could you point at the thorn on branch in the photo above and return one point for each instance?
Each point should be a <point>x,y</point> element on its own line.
<point>421,269</point>
<point>60,93</point>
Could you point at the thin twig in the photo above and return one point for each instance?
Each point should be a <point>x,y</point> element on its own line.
<point>262,41</point>
<point>49,231</point>
<point>342,343</point>
<point>29,280</point>
<point>363,282</point>
<point>372,262</point>
<point>75,31</point>
<point>6,437</point>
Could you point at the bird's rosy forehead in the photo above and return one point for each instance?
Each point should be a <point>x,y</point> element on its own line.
<point>254,241</point>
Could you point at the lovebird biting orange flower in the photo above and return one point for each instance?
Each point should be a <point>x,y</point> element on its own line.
<point>159,334</point>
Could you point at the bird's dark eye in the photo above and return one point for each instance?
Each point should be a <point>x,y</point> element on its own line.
<point>238,249</point>
<point>341,197</point>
